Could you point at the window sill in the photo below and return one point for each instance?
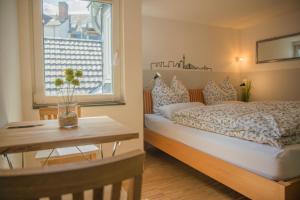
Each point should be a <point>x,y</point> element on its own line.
<point>87,104</point>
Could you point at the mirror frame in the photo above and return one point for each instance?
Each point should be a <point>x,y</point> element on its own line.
<point>271,39</point>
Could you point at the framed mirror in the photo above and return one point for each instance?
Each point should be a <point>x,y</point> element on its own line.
<point>278,49</point>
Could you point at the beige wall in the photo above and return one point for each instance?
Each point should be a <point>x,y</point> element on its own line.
<point>191,79</point>
<point>165,40</point>
<point>278,80</point>
<point>281,25</point>
<point>275,84</point>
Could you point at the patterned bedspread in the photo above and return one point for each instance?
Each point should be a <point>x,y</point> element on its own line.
<point>274,123</point>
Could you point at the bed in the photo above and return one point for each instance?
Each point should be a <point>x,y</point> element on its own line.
<point>255,170</point>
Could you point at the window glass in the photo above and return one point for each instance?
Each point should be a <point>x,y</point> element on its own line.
<point>77,34</point>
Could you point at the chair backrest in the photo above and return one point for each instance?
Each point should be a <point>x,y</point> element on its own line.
<point>195,96</point>
<point>55,181</point>
<point>52,112</point>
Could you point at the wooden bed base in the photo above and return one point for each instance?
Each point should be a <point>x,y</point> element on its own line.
<point>240,180</point>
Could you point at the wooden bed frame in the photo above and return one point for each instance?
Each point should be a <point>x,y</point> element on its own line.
<point>243,181</point>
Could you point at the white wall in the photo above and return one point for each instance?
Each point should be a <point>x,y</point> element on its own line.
<point>277,81</point>
<point>165,40</point>
<point>10,92</point>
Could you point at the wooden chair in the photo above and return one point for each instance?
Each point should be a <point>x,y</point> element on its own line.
<point>52,112</point>
<point>73,154</point>
<point>55,181</point>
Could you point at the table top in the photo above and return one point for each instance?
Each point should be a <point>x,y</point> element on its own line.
<point>47,134</point>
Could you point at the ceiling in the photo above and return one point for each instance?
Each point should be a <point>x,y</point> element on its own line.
<point>223,13</point>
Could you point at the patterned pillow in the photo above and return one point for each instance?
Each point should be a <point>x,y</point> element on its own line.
<point>213,94</point>
<point>227,87</point>
<point>162,95</point>
<point>180,90</point>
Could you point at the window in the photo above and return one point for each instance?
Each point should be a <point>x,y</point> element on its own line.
<point>78,34</point>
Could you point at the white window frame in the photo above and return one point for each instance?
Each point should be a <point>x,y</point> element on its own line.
<point>39,96</point>
<point>106,61</point>
<point>296,49</point>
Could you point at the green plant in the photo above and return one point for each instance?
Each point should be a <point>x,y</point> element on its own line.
<point>246,90</point>
<point>66,87</point>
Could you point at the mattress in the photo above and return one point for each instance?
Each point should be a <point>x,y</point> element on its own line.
<point>270,162</point>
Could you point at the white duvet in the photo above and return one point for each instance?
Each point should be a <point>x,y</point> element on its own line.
<point>274,123</point>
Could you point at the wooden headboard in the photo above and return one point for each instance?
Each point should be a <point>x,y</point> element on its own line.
<point>195,96</point>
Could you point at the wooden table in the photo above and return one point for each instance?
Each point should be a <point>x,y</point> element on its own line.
<point>48,135</point>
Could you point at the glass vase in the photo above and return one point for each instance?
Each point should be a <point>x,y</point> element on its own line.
<point>245,94</point>
<point>67,115</point>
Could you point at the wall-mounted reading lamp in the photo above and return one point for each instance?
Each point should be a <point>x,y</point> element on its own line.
<point>157,75</point>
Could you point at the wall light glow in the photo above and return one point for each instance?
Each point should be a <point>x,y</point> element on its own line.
<point>240,59</point>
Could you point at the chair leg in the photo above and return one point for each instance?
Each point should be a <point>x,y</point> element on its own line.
<point>101,151</point>
<point>83,155</point>
<point>137,188</point>
<point>116,144</point>
<point>8,161</point>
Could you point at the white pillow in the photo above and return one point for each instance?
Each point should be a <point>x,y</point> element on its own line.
<point>180,90</point>
<point>162,95</point>
<point>168,110</point>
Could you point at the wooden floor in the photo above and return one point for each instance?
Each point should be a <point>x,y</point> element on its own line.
<point>166,178</point>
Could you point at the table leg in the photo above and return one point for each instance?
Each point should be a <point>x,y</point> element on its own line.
<point>8,161</point>
<point>116,144</point>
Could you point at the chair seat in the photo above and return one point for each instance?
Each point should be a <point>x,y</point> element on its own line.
<point>67,151</point>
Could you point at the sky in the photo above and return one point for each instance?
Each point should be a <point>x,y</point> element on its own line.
<point>50,7</point>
